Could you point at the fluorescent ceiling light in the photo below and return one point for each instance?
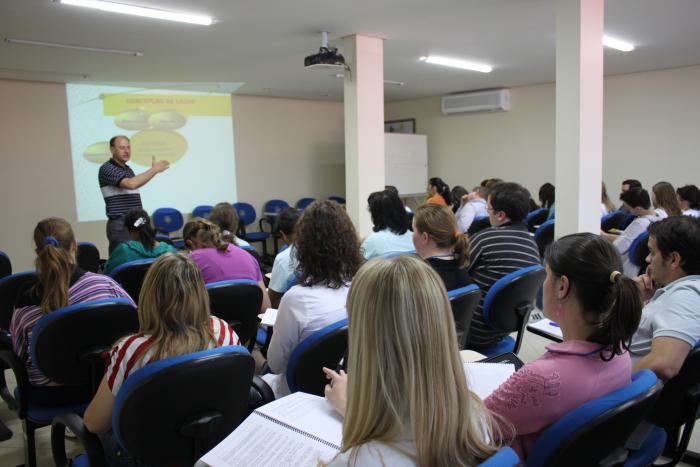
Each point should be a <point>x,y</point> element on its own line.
<point>617,44</point>
<point>454,63</point>
<point>140,11</point>
<point>12,40</point>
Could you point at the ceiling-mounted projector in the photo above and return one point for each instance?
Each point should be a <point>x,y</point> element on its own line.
<point>326,58</point>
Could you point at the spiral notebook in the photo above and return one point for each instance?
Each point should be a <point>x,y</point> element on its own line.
<point>299,429</point>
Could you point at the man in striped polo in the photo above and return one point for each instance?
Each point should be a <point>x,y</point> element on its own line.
<point>505,247</point>
<point>120,187</point>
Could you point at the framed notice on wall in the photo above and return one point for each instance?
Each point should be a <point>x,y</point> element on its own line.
<point>407,125</point>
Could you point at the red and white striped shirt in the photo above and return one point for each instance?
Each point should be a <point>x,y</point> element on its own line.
<point>132,353</point>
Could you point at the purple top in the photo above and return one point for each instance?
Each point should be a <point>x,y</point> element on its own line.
<point>234,263</point>
<point>568,375</point>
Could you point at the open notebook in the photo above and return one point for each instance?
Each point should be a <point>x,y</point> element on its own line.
<point>301,429</point>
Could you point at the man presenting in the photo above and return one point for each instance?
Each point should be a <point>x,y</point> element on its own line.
<point>120,187</point>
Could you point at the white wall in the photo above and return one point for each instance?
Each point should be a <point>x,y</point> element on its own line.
<point>651,132</point>
<point>285,149</point>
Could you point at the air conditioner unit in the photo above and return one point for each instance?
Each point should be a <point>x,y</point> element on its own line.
<point>480,101</point>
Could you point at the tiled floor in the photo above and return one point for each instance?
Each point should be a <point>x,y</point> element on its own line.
<point>12,453</point>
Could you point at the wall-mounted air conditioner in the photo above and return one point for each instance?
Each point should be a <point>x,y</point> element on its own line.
<point>480,101</point>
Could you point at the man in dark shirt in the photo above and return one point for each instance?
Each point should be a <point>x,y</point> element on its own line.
<point>120,187</point>
<point>505,247</point>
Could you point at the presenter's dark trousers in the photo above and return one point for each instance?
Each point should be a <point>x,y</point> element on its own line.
<point>116,233</point>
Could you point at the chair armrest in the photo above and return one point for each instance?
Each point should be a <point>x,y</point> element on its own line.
<point>90,441</point>
<point>22,379</point>
<point>263,389</point>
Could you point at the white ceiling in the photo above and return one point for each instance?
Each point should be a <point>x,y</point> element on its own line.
<point>262,43</point>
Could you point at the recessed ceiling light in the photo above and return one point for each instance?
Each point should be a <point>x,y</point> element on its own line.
<point>617,44</point>
<point>13,40</point>
<point>140,11</point>
<point>454,63</point>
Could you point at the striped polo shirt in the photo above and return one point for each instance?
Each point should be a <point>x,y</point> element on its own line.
<point>118,201</point>
<point>494,253</point>
<point>134,352</point>
<point>84,287</point>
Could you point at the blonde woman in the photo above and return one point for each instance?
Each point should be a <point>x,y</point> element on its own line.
<point>219,260</point>
<point>174,320</point>
<point>663,197</point>
<point>405,401</point>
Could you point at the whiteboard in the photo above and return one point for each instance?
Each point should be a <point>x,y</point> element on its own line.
<point>406,162</point>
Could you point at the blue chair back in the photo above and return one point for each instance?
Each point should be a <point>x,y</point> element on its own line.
<point>337,199</point>
<point>304,202</point>
<point>612,220</point>
<point>275,205</point>
<point>130,275</point>
<point>5,265</point>
<point>246,213</point>
<point>478,224</point>
<point>544,236</point>
<point>506,457</point>
<point>599,428</point>
<point>326,347</point>
<point>10,286</point>
<point>82,332</point>
<point>510,299</point>
<point>172,411</point>
<point>639,250</point>
<point>88,256</point>
<point>464,302</point>
<point>536,218</point>
<point>202,211</point>
<point>238,303</point>
<point>628,220</point>
<point>167,220</point>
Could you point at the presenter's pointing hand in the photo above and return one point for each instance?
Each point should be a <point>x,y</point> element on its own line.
<point>159,166</point>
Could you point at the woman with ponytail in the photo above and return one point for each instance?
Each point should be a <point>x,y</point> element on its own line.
<point>598,310</point>
<point>60,283</point>
<point>143,243</point>
<point>439,242</point>
<point>439,192</point>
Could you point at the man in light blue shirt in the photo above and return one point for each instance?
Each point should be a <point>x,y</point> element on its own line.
<point>285,265</point>
<point>473,206</point>
<point>670,324</point>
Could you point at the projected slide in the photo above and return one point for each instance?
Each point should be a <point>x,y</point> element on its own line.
<point>191,130</point>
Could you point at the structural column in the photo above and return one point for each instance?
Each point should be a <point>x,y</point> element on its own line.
<point>364,125</point>
<point>579,115</point>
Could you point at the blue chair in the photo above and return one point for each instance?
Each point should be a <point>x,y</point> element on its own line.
<point>202,211</point>
<point>639,250</point>
<point>167,221</point>
<point>5,265</point>
<point>507,306</point>
<point>506,457</point>
<point>596,432</point>
<point>303,203</point>
<point>272,209</point>
<point>130,276</point>
<point>536,218</point>
<point>238,303</point>
<point>153,425</point>
<point>88,257</point>
<point>544,236</point>
<point>247,216</point>
<point>337,199</point>
<point>464,302</point>
<point>326,347</point>
<point>628,220</point>
<point>66,345</point>
<point>612,220</point>
<point>478,224</point>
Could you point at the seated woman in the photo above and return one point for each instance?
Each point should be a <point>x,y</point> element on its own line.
<point>143,242</point>
<point>606,205</point>
<point>174,320</point>
<point>390,231</point>
<point>218,260</point>
<point>598,310</point>
<point>439,192</point>
<point>225,216</point>
<point>689,200</point>
<point>285,265</point>
<point>663,197</point>
<point>405,398</point>
<point>328,255</point>
<point>60,283</point>
<point>441,244</point>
